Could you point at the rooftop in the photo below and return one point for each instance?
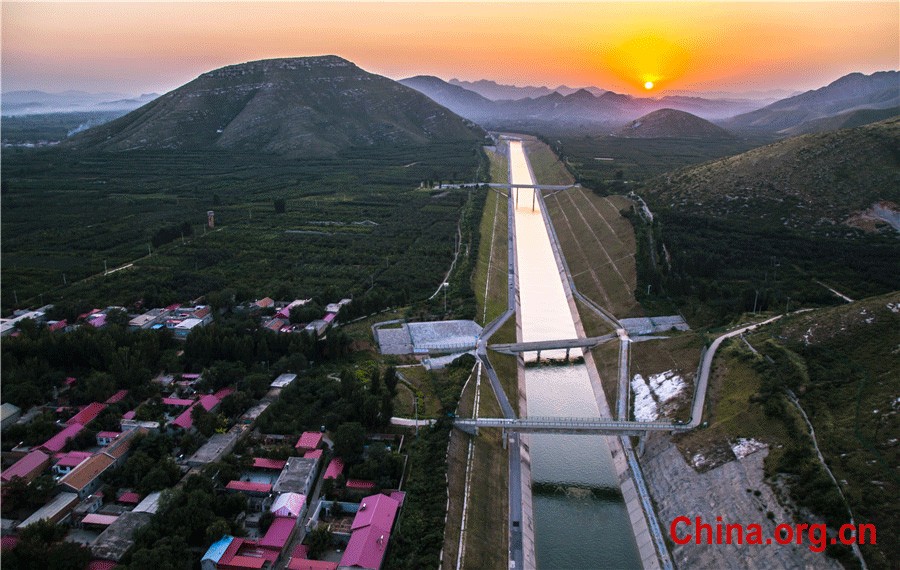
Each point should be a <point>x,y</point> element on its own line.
<point>88,414</point>
<point>51,510</point>
<point>309,440</point>
<point>117,539</point>
<point>217,446</point>
<point>265,463</point>
<point>279,532</point>
<point>335,468</point>
<point>72,458</point>
<point>117,397</point>
<point>58,441</point>
<point>288,505</point>
<point>90,469</point>
<point>283,380</point>
<point>297,476</point>
<point>379,510</point>
<point>366,548</point>
<point>27,465</point>
<point>249,487</point>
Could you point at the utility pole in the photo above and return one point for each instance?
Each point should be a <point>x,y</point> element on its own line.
<point>754,301</point>
<point>64,279</point>
<point>105,270</point>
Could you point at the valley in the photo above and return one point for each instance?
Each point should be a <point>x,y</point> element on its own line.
<point>194,294</point>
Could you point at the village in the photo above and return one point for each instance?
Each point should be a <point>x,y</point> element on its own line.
<point>297,501</point>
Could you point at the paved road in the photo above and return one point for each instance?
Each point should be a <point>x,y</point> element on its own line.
<point>706,366</point>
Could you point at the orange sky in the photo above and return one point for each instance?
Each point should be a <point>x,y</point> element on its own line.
<point>722,46</point>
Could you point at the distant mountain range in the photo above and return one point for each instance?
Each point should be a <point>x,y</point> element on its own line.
<point>296,106</point>
<point>852,92</point>
<point>503,106</point>
<point>499,92</point>
<point>669,123</point>
<point>32,102</point>
<point>578,108</point>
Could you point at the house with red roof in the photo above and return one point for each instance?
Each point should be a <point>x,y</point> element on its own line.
<point>56,443</point>
<point>335,468</point>
<point>185,421</point>
<point>314,454</point>
<point>104,438</point>
<point>27,468</point>
<point>371,533</point>
<point>266,463</point>
<point>117,397</point>
<point>308,441</point>
<point>87,414</point>
<point>279,534</point>
<point>65,462</point>
<point>249,487</point>
<point>360,485</point>
<point>230,553</point>
<point>129,498</point>
<point>289,505</point>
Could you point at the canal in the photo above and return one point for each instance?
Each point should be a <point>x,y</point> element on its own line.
<point>580,519</point>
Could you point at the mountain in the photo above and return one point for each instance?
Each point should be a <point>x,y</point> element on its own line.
<point>807,182</point>
<point>855,91</point>
<point>294,106</point>
<point>581,108</point>
<point>461,101</point>
<point>670,123</point>
<point>498,92</point>
<point>846,120</point>
<point>32,102</point>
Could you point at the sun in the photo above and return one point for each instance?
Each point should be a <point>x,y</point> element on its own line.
<point>648,85</point>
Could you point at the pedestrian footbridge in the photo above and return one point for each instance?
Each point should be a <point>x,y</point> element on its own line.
<point>568,426</point>
<point>537,346</point>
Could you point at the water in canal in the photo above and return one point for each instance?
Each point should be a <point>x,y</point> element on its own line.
<point>580,518</point>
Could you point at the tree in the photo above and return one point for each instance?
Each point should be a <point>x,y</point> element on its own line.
<point>390,380</point>
<point>320,540</point>
<point>349,442</point>
<point>280,206</point>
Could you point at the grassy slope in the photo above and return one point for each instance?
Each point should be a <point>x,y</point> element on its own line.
<point>843,375</point>
<point>486,525</point>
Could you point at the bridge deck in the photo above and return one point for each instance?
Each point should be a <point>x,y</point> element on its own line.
<point>516,347</point>
<point>567,425</point>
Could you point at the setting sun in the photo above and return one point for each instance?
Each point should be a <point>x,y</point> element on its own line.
<point>648,85</point>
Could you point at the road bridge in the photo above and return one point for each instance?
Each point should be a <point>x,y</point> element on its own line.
<point>537,346</point>
<point>568,426</point>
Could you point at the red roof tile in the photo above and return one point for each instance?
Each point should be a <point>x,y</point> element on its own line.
<point>101,565</point>
<point>279,532</point>
<point>265,463</point>
<point>88,414</point>
<point>309,440</point>
<point>182,402</point>
<point>249,487</point>
<point>298,563</point>
<point>360,484</point>
<point>366,547</point>
<point>313,454</point>
<point>117,397</point>
<point>72,458</point>
<point>379,510</point>
<point>335,468</point>
<point>129,498</point>
<point>58,441</point>
<point>27,467</point>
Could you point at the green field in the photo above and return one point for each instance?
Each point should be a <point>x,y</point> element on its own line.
<point>356,224</point>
